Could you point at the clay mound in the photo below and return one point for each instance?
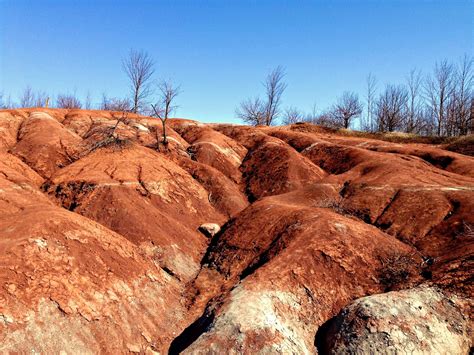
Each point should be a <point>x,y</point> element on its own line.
<point>224,195</point>
<point>70,281</point>
<point>97,130</point>
<point>14,170</point>
<point>370,181</point>
<point>456,163</point>
<point>78,122</point>
<point>230,239</point>
<point>273,168</point>
<point>329,255</point>
<point>249,137</point>
<point>169,205</point>
<point>297,140</point>
<point>10,122</point>
<point>214,149</point>
<point>45,144</point>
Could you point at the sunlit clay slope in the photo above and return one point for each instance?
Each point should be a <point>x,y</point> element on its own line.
<point>229,239</point>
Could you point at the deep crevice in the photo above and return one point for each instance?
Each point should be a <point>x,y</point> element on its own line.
<point>376,223</point>
<point>321,337</point>
<point>192,333</point>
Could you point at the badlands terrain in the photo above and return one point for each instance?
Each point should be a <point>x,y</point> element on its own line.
<point>328,242</point>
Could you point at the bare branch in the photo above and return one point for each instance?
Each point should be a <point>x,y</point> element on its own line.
<point>371,82</point>
<point>293,115</point>
<point>274,87</point>
<point>251,111</point>
<point>164,105</point>
<point>139,68</point>
<point>27,98</point>
<point>347,107</point>
<point>114,104</point>
<point>68,101</point>
<point>438,89</point>
<point>414,117</point>
<point>391,108</point>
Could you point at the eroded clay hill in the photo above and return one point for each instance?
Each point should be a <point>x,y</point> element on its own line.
<point>328,243</point>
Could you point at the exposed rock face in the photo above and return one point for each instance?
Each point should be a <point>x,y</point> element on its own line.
<point>101,249</point>
<point>421,320</point>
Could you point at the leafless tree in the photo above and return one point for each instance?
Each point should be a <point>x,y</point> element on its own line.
<point>258,112</point>
<point>293,115</point>
<point>68,101</point>
<point>139,67</point>
<point>463,95</point>
<point>347,107</point>
<point>414,117</point>
<point>252,111</point>
<point>274,87</point>
<point>391,108</point>
<point>6,102</point>
<point>312,116</point>
<point>165,105</point>
<point>438,89</point>
<point>41,99</point>
<point>27,98</point>
<point>371,82</point>
<point>325,119</point>
<point>114,104</point>
<point>88,101</point>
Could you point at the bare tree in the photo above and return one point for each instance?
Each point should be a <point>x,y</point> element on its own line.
<point>68,101</point>
<point>6,102</point>
<point>414,120</point>
<point>164,107</point>
<point>274,87</point>
<point>293,115</point>
<point>88,101</point>
<point>258,112</point>
<point>311,116</point>
<point>369,124</point>
<point>27,98</point>
<point>139,67</point>
<point>114,104</point>
<point>41,99</point>
<point>391,108</point>
<point>252,111</point>
<point>438,91</point>
<point>325,119</point>
<point>463,95</point>
<point>347,107</point>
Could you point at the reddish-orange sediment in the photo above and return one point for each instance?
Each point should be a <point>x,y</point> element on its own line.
<point>101,251</point>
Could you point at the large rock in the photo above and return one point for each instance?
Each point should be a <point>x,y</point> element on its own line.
<point>421,320</point>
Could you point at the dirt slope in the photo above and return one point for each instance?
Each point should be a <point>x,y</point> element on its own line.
<point>101,251</point>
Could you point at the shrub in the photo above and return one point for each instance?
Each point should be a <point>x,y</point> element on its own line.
<point>337,204</point>
<point>463,145</point>
<point>396,269</point>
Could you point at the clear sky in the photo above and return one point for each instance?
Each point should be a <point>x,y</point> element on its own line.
<point>220,51</point>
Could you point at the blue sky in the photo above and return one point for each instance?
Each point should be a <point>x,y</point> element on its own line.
<point>220,51</point>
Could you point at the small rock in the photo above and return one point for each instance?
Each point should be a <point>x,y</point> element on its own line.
<point>209,229</point>
<point>133,348</point>
<point>6,319</point>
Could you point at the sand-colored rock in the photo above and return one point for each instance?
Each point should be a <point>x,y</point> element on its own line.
<point>421,320</point>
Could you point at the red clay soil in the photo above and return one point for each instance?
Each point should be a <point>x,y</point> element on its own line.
<point>100,248</point>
